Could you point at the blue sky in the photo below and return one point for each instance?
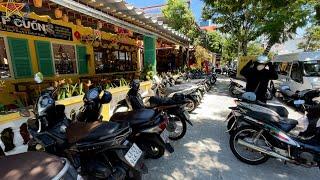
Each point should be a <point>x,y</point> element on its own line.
<point>196,5</point>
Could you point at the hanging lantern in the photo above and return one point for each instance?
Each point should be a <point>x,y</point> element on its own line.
<point>77,35</point>
<point>99,25</point>
<point>96,44</point>
<point>116,29</point>
<point>65,18</point>
<point>78,22</point>
<point>58,13</point>
<point>37,3</point>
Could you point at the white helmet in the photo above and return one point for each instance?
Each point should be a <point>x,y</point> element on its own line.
<point>263,59</point>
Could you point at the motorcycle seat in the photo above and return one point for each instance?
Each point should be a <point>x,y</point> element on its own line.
<point>284,124</point>
<point>282,111</point>
<point>287,124</point>
<point>95,131</point>
<point>135,118</point>
<point>31,166</point>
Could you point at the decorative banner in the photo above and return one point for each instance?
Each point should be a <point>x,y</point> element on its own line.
<point>34,27</point>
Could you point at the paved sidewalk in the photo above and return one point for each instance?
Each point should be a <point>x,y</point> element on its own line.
<point>204,152</point>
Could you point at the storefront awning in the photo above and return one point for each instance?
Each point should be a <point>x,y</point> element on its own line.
<point>124,15</point>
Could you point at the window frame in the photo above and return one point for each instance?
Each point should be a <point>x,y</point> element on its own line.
<point>291,70</point>
<point>53,59</point>
<point>6,44</point>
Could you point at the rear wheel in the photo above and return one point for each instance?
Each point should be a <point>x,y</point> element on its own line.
<point>191,105</point>
<point>230,123</point>
<point>248,134</point>
<point>177,127</point>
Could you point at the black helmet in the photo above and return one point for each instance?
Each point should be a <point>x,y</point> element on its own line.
<point>106,97</point>
<point>135,84</point>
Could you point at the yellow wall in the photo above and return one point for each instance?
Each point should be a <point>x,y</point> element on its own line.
<point>145,86</point>
<point>82,30</point>
<point>242,62</point>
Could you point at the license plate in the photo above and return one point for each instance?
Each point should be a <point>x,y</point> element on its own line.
<point>133,155</point>
<point>165,136</point>
<point>186,114</point>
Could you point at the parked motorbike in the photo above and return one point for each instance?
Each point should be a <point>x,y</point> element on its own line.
<point>309,96</point>
<point>236,90</point>
<point>42,165</point>
<point>267,136</point>
<point>232,73</point>
<point>98,150</point>
<point>248,102</point>
<point>172,106</point>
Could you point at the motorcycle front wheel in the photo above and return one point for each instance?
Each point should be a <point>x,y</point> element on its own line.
<point>243,153</point>
<point>177,127</point>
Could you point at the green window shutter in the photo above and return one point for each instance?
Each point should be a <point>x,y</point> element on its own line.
<point>82,60</point>
<point>20,57</point>
<point>44,56</point>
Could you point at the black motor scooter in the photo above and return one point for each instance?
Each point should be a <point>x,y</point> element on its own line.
<point>98,150</point>
<point>308,96</point>
<point>147,125</point>
<point>172,106</point>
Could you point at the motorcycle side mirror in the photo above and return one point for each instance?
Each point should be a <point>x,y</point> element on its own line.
<point>38,77</point>
<point>299,102</point>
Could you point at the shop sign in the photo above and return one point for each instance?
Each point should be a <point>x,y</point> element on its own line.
<point>34,27</point>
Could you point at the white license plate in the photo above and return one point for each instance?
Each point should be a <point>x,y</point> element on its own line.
<point>133,155</point>
<point>186,114</point>
<point>165,136</point>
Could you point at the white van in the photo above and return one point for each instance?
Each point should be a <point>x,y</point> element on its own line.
<point>299,71</point>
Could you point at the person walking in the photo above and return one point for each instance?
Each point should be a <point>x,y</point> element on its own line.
<point>258,74</point>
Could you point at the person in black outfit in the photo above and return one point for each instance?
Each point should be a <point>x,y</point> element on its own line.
<point>258,74</point>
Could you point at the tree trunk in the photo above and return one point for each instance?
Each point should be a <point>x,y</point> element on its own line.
<point>268,48</point>
<point>244,47</point>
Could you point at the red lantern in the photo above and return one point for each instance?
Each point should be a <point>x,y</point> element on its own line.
<point>77,35</point>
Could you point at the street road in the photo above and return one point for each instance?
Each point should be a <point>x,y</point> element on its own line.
<point>204,152</point>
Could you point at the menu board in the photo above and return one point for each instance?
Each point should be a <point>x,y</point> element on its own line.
<point>24,25</point>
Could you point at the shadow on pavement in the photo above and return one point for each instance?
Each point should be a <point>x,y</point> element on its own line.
<point>204,152</point>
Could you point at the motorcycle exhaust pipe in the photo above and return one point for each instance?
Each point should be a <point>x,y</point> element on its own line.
<point>265,151</point>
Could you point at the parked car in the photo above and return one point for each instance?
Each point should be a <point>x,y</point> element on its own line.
<point>298,71</point>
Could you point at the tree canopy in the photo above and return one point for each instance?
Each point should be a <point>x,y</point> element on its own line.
<point>312,37</point>
<point>246,20</point>
<point>181,18</point>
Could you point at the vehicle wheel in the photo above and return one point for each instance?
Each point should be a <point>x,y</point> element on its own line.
<point>269,94</point>
<point>233,91</point>
<point>191,106</point>
<point>153,149</point>
<point>230,123</point>
<point>177,127</point>
<point>121,108</point>
<point>243,153</point>
<point>213,81</point>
